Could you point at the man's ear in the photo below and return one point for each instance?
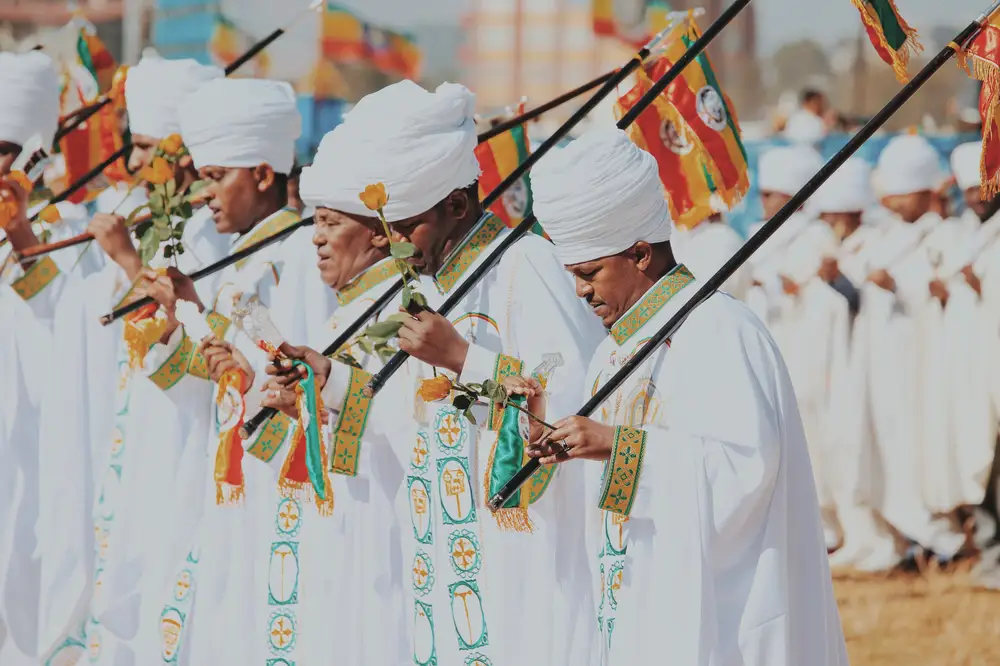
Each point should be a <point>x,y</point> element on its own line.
<point>457,205</point>
<point>264,175</point>
<point>642,253</point>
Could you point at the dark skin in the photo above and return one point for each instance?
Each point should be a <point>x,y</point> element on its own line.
<point>239,199</point>
<point>19,231</point>
<point>610,285</point>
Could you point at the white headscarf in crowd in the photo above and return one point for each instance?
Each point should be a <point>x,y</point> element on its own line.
<point>786,169</point>
<point>242,123</point>
<point>965,161</point>
<point>908,164</point>
<point>29,97</point>
<point>420,145</point>
<point>154,90</point>
<point>599,196</point>
<point>805,127</point>
<point>848,190</point>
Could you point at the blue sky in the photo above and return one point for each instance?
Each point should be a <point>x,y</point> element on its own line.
<point>778,21</point>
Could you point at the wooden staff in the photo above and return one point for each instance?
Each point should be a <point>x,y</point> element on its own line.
<point>757,240</point>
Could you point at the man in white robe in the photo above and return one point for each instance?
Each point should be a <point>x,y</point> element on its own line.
<point>29,112</point>
<point>708,245</point>
<point>711,549</point>
<point>470,597</point>
<point>96,570</point>
<point>892,325</point>
<point>844,441</point>
<point>214,571</point>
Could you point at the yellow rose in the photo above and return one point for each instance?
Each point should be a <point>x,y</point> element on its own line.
<point>50,214</point>
<point>374,197</point>
<point>157,173</point>
<point>172,144</point>
<point>434,389</point>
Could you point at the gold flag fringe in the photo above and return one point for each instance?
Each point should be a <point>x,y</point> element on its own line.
<point>989,74</point>
<point>901,57</point>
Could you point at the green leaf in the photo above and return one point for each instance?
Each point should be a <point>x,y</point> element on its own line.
<point>402,250</point>
<point>367,345</point>
<point>385,352</point>
<point>401,317</point>
<point>470,416</point>
<point>462,402</point>
<point>168,251</point>
<point>419,299</point>
<point>185,210</point>
<point>130,220</point>
<point>156,206</point>
<point>178,249</point>
<point>171,188</point>
<point>407,296</point>
<point>495,391</point>
<point>196,187</point>
<point>347,359</point>
<point>148,245</point>
<point>384,329</point>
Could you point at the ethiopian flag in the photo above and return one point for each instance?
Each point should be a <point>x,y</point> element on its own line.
<point>982,60</point>
<point>891,36</point>
<point>342,34</point>
<point>498,158</point>
<point>692,132</point>
<point>95,58</point>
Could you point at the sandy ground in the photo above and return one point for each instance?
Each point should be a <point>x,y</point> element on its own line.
<point>932,619</point>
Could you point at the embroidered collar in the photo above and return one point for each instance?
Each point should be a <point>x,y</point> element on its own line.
<point>465,253</point>
<point>369,278</point>
<point>272,224</point>
<point>650,303</point>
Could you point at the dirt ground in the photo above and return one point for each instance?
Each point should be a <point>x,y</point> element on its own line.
<point>932,619</point>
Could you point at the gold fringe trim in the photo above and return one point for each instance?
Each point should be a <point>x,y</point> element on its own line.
<point>140,336</point>
<point>508,520</point>
<point>901,57</point>
<point>227,495</point>
<point>989,74</point>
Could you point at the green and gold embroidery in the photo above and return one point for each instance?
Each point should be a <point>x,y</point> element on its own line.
<point>218,324</point>
<point>467,252</point>
<point>506,366</point>
<point>368,280</point>
<point>271,438</point>
<point>175,367</point>
<point>651,303</point>
<point>35,279</point>
<point>278,223</point>
<point>621,474</point>
<point>351,424</point>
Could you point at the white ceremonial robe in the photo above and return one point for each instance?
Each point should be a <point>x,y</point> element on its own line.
<point>888,329</point>
<point>971,331</point>
<point>101,600</point>
<point>705,248</point>
<point>715,554</point>
<point>28,301</point>
<point>766,266</point>
<point>204,606</point>
<point>350,574</point>
<point>474,590</point>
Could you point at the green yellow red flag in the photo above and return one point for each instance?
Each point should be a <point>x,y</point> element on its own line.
<point>981,60</point>
<point>893,39</point>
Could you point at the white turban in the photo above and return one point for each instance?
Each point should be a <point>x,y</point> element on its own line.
<point>420,145</point>
<point>599,196</point>
<point>908,164</point>
<point>848,190</point>
<point>241,123</point>
<point>154,90</point>
<point>965,164</point>
<point>805,127</point>
<point>786,169</point>
<point>29,98</point>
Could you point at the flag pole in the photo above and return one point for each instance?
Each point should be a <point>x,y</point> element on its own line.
<point>376,383</point>
<point>754,242</point>
<point>610,84</point>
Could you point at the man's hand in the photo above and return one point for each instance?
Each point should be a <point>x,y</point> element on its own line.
<point>828,270</point>
<point>221,357</point>
<point>111,234</point>
<point>939,291</point>
<point>18,229</point>
<point>789,287</point>
<point>575,437</point>
<point>167,290</point>
<point>283,399</point>
<point>973,279</point>
<point>288,376</point>
<point>881,278</point>
<point>535,403</point>
<point>431,338</point>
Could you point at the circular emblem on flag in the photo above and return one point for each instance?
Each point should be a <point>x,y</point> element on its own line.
<point>515,199</point>
<point>711,109</point>
<point>230,409</point>
<point>674,138</point>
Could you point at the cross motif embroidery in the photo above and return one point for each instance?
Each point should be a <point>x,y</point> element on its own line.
<point>282,635</point>
<point>420,573</point>
<point>450,430</point>
<point>463,553</point>
<point>289,515</point>
<point>419,453</point>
